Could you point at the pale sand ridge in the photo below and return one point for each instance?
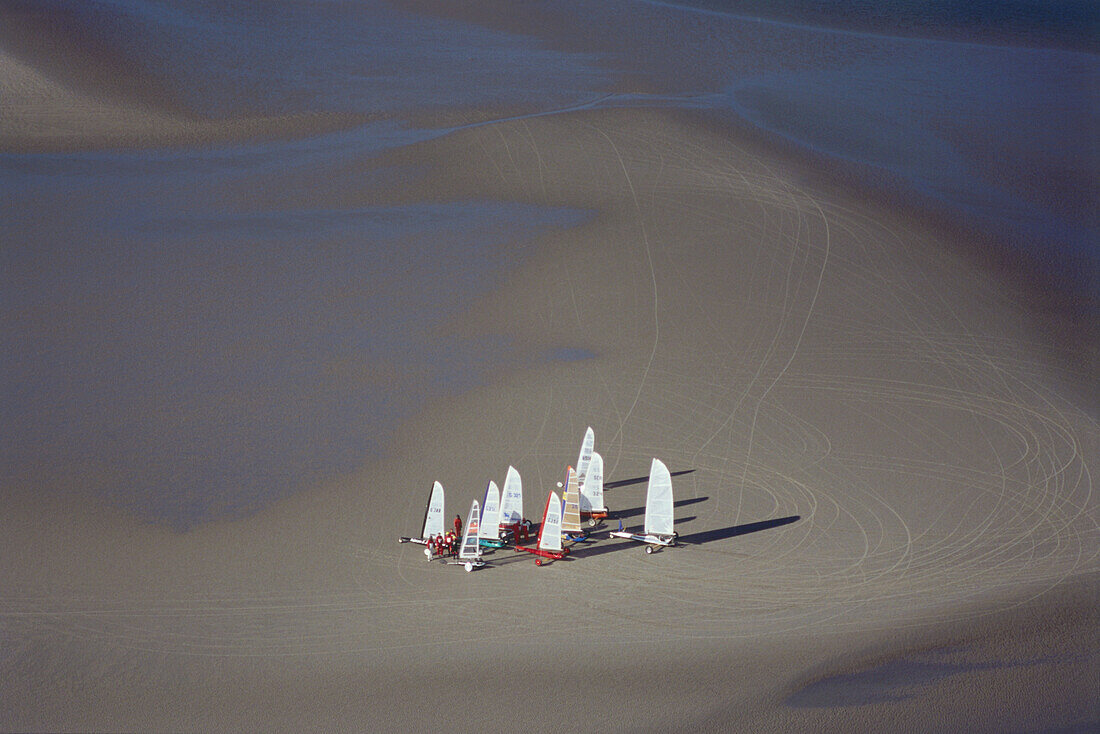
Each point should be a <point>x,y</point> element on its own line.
<point>813,360</point>
<point>41,114</point>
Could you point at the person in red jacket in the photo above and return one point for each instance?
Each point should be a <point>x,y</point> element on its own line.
<point>458,526</point>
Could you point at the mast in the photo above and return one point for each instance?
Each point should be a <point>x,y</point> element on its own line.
<point>571,512</point>
<point>585,456</point>
<point>470,549</point>
<point>490,514</point>
<point>433,512</point>
<point>592,487</point>
<point>658,501</point>
<point>511,500</point>
<point>550,530</point>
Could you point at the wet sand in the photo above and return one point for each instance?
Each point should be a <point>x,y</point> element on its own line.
<point>890,486</point>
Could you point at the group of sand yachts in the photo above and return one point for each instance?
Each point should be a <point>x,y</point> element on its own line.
<point>498,520</point>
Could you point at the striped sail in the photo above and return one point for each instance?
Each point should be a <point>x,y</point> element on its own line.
<point>592,487</point>
<point>571,512</point>
<point>433,514</point>
<point>470,549</point>
<point>511,500</point>
<point>658,500</point>
<point>490,513</point>
<point>550,531</point>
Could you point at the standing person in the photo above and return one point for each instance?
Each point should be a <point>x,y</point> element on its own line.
<point>458,526</point>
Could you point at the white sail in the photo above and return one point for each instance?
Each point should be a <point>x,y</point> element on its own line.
<point>658,500</point>
<point>511,500</point>
<point>550,531</point>
<point>592,487</point>
<point>433,514</point>
<point>470,549</point>
<point>490,513</point>
<point>585,456</point>
<point>571,509</point>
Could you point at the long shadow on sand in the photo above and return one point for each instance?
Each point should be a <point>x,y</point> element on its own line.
<point>599,546</point>
<point>639,480</point>
<point>635,511</point>
<point>734,530</point>
<point>706,536</point>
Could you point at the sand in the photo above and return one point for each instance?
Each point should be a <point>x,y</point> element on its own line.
<point>40,113</point>
<point>888,520</point>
